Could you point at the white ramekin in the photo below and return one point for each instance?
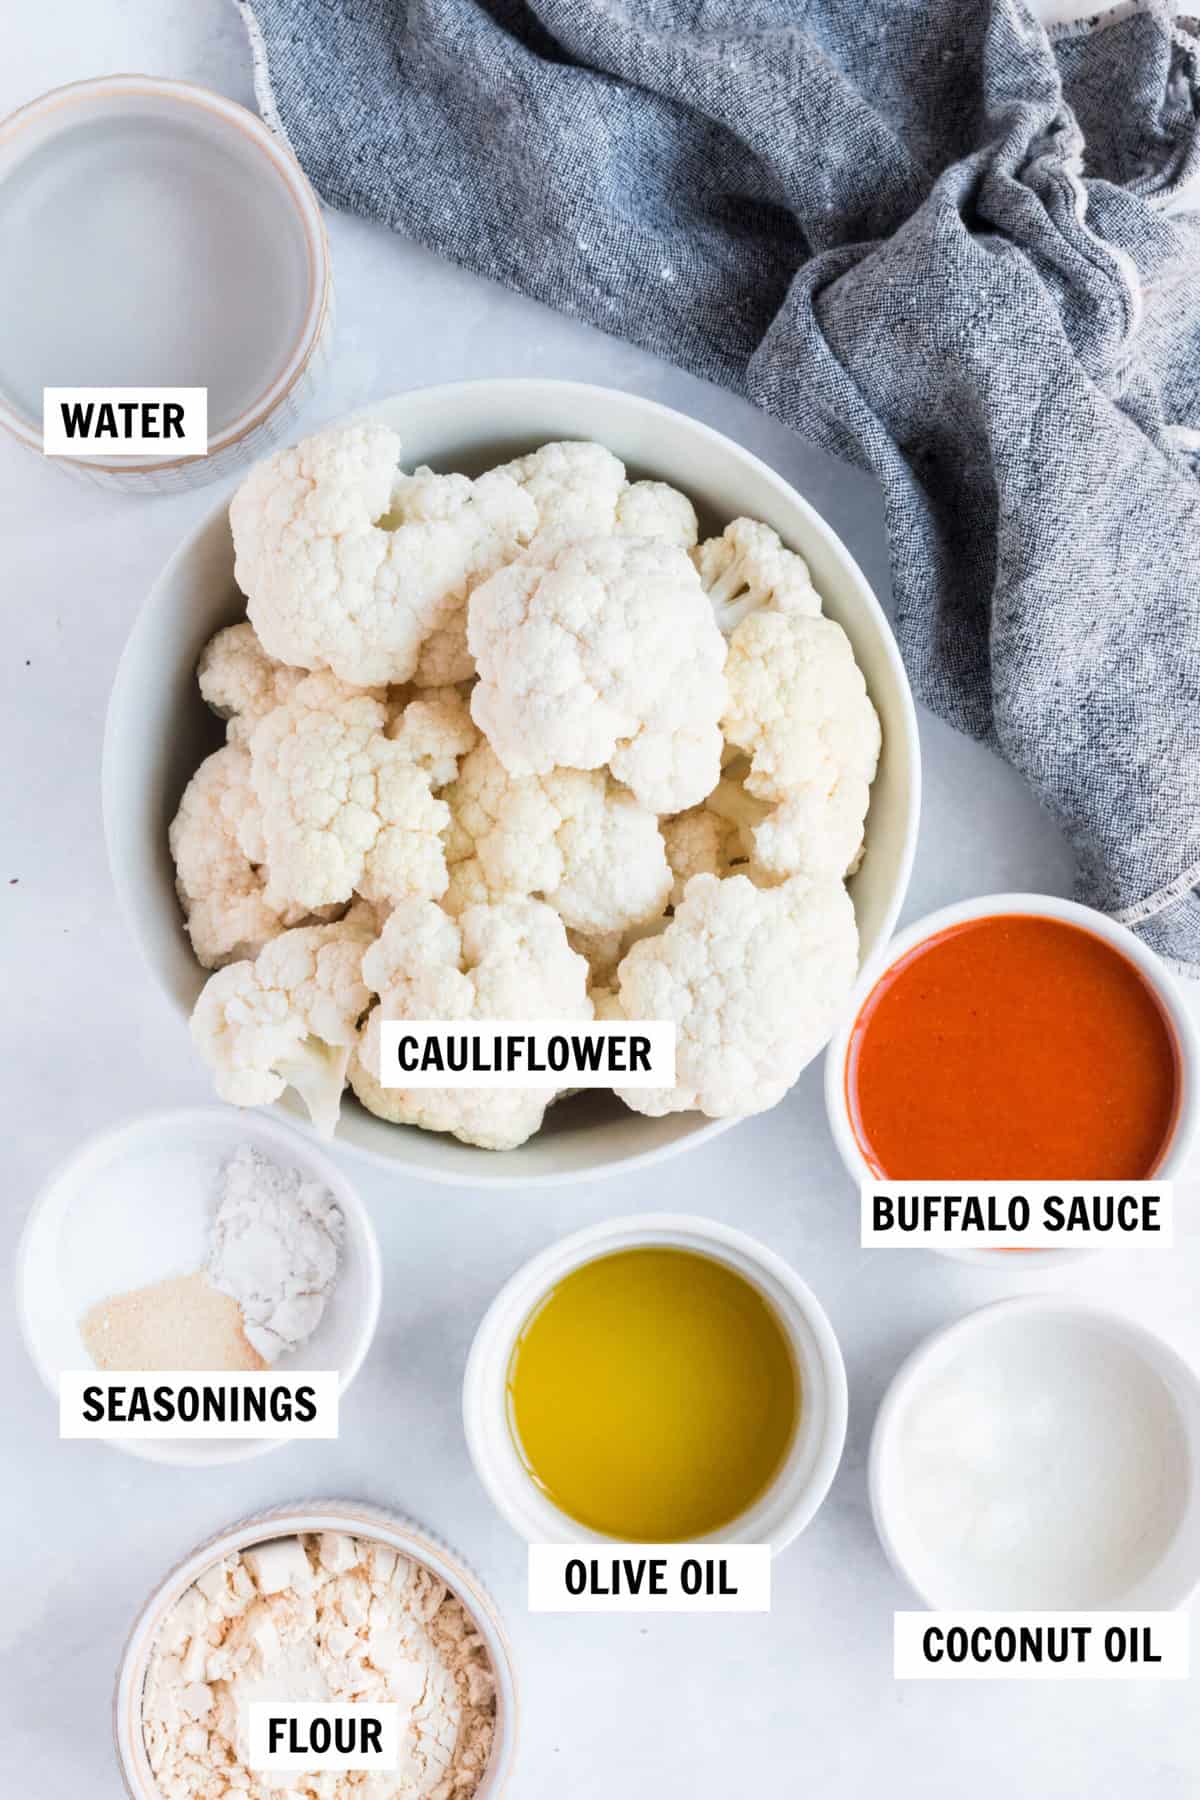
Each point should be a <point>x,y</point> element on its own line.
<point>359,1520</point>
<point>800,1486</point>
<point>51,1333</point>
<point>1177,1573</point>
<point>1046,906</point>
<point>287,386</point>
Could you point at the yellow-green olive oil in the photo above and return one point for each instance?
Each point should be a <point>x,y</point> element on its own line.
<point>653,1395</point>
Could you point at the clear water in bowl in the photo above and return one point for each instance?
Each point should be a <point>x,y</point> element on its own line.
<point>147,244</point>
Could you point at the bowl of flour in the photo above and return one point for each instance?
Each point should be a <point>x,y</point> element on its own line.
<point>332,1601</point>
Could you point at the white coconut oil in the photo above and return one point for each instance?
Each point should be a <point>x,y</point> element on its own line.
<point>1044,1464</point>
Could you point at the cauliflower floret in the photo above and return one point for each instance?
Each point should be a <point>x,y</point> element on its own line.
<point>287,1019</point>
<point>753,978</point>
<point>240,681</point>
<point>348,565</point>
<point>343,807</point>
<point>615,873</point>
<point>506,824</point>
<point>797,702</point>
<point>715,838</point>
<point>444,658</point>
<point>651,509</point>
<point>608,653</point>
<point>435,731</point>
<point>798,706</point>
<point>698,843</point>
<point>580,490</point>
<point>747,567</point>
<point>216,843</point>
<point>816,831</point>
<point>506,960</point>
<point>467,884</point>
<point>574,837</point>
<point>574,487</point>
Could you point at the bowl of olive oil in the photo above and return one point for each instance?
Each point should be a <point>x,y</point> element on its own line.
<point>662,1379</point>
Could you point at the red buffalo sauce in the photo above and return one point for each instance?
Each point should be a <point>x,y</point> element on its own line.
<point>1013,1048</point>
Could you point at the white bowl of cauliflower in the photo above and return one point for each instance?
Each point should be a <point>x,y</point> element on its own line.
<point>510,699</point>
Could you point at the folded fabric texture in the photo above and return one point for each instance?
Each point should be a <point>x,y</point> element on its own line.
<point>940,242</point>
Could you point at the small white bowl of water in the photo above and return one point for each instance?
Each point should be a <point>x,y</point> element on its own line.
<point>158,235</point>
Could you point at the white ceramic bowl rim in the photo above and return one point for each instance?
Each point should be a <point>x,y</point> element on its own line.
<point>1158,977</point>
<point>303,199</point>
<point>939,1346</point>
<point>180,1120</point>
<point>796,1492</point>
<point>360,1520</point>
<point>461,416</point>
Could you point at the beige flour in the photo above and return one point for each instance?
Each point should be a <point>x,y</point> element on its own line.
<point>323,1617</point>
<point>182,1323</point>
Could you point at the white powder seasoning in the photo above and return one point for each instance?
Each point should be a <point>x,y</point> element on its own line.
<point>1042,1465</point>
<point>274,1249</point>
<point>319,1617</point>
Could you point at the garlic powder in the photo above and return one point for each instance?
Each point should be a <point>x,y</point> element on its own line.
<point>319,1617</point>
<point>274,1249</point>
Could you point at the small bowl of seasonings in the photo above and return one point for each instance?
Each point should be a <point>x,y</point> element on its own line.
<point>198,1241</point>
<point>662,1379</point>
<point>325,1601</point>
<point>1016,1038</point>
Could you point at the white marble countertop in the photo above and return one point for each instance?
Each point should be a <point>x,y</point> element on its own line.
<point>800,1701</point>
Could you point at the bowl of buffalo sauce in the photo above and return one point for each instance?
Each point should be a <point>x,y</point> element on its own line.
<point>1015,1038</point>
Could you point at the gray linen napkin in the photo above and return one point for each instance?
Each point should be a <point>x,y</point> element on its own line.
<point>938,242</point>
